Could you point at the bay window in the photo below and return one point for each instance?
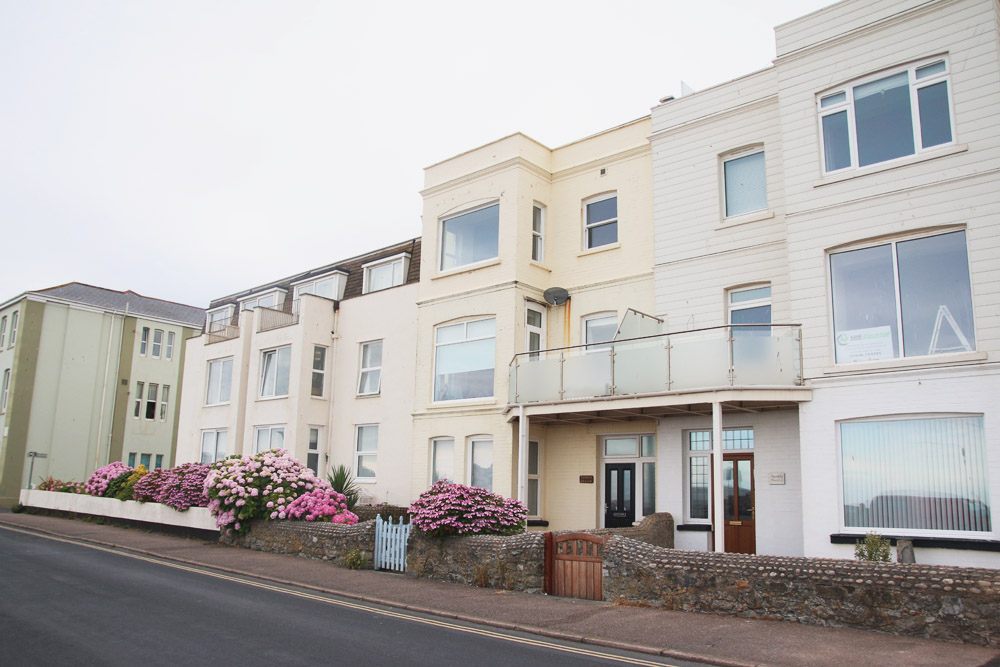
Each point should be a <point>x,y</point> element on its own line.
<point>470,237</point>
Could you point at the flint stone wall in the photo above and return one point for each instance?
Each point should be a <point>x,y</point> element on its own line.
<point>320,540</point>
<point>950,603</point>
<point>512,562</point>
<point>656,529</point>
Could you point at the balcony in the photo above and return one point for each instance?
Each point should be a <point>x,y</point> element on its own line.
<point>732,356</point>
<point>284,315</point>
<point>224,329</point>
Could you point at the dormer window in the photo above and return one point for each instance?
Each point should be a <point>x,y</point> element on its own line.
<point>385,273</point>
<point>219,319</point>
<point>270,299</point>
<point>330,286</point>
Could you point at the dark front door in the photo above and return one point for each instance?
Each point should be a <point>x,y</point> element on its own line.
<point>619,494</point>
<point>738,503</point>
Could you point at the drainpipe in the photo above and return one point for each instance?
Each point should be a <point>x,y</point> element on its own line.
<point>718,513</point>
<point>334,337</point>
<point>522,454</point>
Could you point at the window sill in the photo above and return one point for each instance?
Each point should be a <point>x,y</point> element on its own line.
<point>537,523</point>
<point>603,248</point>
<point>699,527</point>
<point>745,219</point>
<point>463,402</point>
<point>891,164</point>
<point>466,267</point>
<point>375,395</point>
<point>365,480</point>
<point>271,398</point>
<point>539,265</point>
<point>967,543</point>
<point>927,361</point>
<point>216,405</point>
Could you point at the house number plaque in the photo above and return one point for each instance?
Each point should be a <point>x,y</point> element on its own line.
<point>586,479</point>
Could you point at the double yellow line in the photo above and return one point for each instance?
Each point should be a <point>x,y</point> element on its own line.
<point>354,605</point>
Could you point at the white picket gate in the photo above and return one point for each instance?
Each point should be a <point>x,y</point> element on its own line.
<point>390,544</point>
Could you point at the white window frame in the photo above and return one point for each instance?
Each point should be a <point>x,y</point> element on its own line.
<point>435,442</point>
<point>157,348</point>
<point>441,236</point>
<point>263,368</point>
<point>538,234</point>
<point>914,532</point>
<point>271,430</point>
<point>530,329</point>
<point>169,353</point>
<point>251,302</point>
<point>318,372</point>
<point>152,394</point>
<point>6,391</point>
<point>214,323</point>
<point>215,432</point>
<point>144,341</point>
<point>358,453</point>
<point>13,328</point>
<point>537,476</point>
<point>738,155</point>
<point>308,286</point>
<point>164,402</point>
<point>312,450</point>
<point>748,304</point>
<point>140,396</point>
<point>3,330</point>
<point>402,260</point>
<point>593,317</point>
<point>688,454</point>
<point>470,458</point>
<point>588,225</point>
<point>365,370</point>
<point>848,104</point>
<point>208,381</point>
<point>434,376</point>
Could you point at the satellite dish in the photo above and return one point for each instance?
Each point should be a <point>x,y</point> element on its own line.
<point>555,296</point>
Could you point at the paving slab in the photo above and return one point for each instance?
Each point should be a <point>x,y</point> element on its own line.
<point>715,639</point>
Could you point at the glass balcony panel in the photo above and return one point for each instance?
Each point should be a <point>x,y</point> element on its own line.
<point>697,362</point>
<point>587,375</point>
<point>537,380</point>
<point>640,367</point>
<point>764,360</point>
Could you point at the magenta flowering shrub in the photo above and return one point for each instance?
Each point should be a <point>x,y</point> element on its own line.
<point>181,487</point>
<point>97,483</point>
<point>455,509</point>
<point>261,486</point>
<point>320,505</point>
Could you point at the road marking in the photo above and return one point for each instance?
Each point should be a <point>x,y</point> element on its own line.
<point>351,605</point>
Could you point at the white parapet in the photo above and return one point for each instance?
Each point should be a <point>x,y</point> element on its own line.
<point>195,517</point>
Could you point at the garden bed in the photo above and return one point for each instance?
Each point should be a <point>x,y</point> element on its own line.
<point>197,518</point>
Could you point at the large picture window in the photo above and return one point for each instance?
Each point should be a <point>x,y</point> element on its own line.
<point>887,117</point>
<point>275,366</point>
<point>470,237</point>
<point>268,437</point>
<point>915,474</point>
<point>464,358</point>
<point>903,299</point>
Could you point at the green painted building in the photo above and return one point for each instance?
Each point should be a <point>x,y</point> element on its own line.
<point>88,376</point>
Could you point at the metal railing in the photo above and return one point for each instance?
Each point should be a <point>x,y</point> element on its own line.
<point>221,330</point>
<point>729,355</point>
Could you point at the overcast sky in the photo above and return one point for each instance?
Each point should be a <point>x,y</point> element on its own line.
<point>190,149</point>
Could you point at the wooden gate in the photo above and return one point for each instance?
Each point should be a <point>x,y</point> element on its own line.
<point>573,564</point>
<point>390,544</point>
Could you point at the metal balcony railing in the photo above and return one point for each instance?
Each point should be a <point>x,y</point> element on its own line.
<point>221,330</point>
<point>742,355</point>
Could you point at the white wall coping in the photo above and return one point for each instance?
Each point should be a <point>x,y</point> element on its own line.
<point>194,517</point>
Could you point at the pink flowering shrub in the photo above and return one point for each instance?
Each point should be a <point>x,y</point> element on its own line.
<point>455,509</point>
<point>97,483</point>
<point>264,486</point>
<point>322,505</point>
<point>181,487</point>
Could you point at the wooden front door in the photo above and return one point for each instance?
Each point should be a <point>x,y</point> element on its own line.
<point>619,495</point>
<point>738,503</point>
<point>574,565</point>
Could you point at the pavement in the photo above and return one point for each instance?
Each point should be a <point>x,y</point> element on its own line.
<point>709,638</point>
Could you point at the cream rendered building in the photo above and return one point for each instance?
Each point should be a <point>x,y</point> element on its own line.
<point>502,224</point>
<point>88,376</point>
<point>320,363</point>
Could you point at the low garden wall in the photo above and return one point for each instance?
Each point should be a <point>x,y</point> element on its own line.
<point>656,529</point>
<point>951,603</point>
<point>312,539</point>
<point>197,518</point>
<point>515,562</point>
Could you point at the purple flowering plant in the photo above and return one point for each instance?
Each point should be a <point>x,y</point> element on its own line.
<point>97,483</point>
<point>455,509</point>
<point>266,486</point>
<point>180,487</point>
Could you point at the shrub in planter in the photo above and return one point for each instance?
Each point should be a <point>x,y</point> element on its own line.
<point>455,509</point>
<point>58,486</point>
<point>125,491</point>
<point>256,487</point>
<point>180,487</point>
<point>115,486</point>
<point>98,482</point>
<point>320,504</point>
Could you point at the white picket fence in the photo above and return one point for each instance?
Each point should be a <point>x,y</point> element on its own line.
<point>390,544</point>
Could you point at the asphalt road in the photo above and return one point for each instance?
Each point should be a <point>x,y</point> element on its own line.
<point>72,604</point>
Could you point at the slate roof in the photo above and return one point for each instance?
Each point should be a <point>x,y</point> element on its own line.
<point>351,266</point>
<point>136,304</point>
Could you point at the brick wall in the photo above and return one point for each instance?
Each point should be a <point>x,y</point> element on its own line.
<point>950,603</point>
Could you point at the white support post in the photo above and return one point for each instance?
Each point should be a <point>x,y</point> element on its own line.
<point>719,516</point>
<point>522,455</point>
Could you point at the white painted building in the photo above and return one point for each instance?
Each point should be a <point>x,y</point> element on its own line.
<point>320,363</point>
